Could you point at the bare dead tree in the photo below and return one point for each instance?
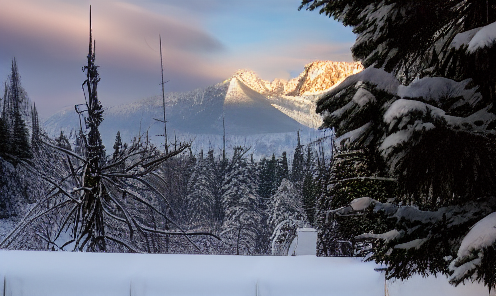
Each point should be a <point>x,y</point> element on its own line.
<point>99,201</point>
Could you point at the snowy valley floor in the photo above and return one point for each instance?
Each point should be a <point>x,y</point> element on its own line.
<point>89,274</point>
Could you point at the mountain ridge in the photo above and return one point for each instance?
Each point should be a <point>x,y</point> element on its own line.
<point>248,104</point>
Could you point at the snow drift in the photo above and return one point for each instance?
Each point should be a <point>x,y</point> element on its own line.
<point>67,274</point>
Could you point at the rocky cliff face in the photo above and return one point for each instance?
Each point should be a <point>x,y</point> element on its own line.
<point>321,75</point>
<point>316,77</point>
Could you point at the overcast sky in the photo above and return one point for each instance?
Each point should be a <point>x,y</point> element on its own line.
<point>204,42</point>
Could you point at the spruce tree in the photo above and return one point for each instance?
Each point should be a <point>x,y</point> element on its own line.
<point>4,137</point>
<point>7,109</point>
<point>308,193</point>
<point>218,176</point>
<point>242,227</point>
<point>20,146</point>
<point>117,146</point>
<point>4,130</point>
<point>80,145</point>
<point>297,169</point>
<point>35,130</point>
<point>63,142</point>
<point>286,204</point>
<point>286,214</point>
<point>201,195</point>
<point>424,111</point>
<point>282,170</point>
<point>267,177</point>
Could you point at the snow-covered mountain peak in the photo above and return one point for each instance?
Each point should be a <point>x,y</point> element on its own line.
<point>236,95</point>
<point>244,103</point>
<point>316,78</point>
<point>251,79</point>
<point>320,76</point>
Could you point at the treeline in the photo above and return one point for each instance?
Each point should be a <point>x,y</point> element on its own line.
<point>19,141</point>
<point>142,199</point>
<point>19,124</point>
<point>254,206</point>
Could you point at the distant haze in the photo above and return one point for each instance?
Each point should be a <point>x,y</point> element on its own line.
<point>204,42</point>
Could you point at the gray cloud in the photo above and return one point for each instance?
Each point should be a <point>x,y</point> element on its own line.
<point>50,42</point>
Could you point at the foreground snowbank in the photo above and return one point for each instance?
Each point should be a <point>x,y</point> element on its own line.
<point>89,274</point>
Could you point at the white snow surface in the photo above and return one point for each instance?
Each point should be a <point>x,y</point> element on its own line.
<point>482,234</point>
<point>67,274</point>
<point>31,273</point>
<point>387,236</point>
<point>382,79</point>
<point>485,37</point>
<point>434,286</point>
<point>360,204</point>
<point>400,108</point>
<point>476,38</point>
<point>362,97</point>
<point>353,135</point>
<point>416,243</point>
<point>438,88</point>
<point>463,38</point>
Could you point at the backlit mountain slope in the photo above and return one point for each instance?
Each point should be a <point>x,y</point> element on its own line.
<point>248,104</point>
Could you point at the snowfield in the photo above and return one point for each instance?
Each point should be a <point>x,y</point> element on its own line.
<point>64,273</point>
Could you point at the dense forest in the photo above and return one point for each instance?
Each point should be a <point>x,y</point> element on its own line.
<point>144,199</point>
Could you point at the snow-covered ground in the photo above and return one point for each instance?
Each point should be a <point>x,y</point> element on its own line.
<point>65,273</point>
<point>435,286</point>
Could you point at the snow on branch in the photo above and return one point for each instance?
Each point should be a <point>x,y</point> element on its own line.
<point>475,39</point>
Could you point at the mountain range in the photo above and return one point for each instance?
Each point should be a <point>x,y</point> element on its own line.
<point>246,105</point>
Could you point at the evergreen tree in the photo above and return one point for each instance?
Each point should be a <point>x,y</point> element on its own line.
<point>35,130</point>
<point>80,146</point>
<point>308,192</point>
<point>4,139</point>
<point>309,187</point>
<point>20,136</point>
<point>201,197</point>
<point>4,129</point>
<point>63,142</point>
<point>426,119</point>
<point>286,214</point>
<point>267,177</point>
<point>218,177</point>
<point>20,145</point>
<point>297,170</point>
<point>282,171</point>
<point>7,109</point>
<point>117,146</point>
<point>286,204</point>
<point>242,222</point>
<point>348,179</point>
